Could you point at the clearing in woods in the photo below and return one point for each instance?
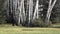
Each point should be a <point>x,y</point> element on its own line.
<point>8,29</point>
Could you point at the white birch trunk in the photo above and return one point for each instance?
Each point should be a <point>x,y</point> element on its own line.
<point>24,14</point>
<point>36,11</point>
<point>30,10</point>
<point>20,9</point>
<point>51,5</point>
<point>19,13</point>
<point>20,6</point>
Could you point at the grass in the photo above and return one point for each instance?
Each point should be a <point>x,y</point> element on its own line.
<point>8,29</point>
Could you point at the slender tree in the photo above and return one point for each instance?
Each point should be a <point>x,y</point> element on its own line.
<point>30,10</point>
<point>36,10</point>
<point>51,5</point>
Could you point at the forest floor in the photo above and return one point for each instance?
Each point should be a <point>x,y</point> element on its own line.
<point>9,29</point>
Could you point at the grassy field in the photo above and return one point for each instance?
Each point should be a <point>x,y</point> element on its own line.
<point>8,29</point>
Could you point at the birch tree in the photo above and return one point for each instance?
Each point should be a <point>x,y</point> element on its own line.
<point>24,14</point>
<point>36,10</point>
<point>20,9</point>
<point>51,5</point>
<point>30,10</point>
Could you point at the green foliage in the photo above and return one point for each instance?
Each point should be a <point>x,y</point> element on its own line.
<point>39,23</point>
<point>55,16</point>
<point>2,12</point>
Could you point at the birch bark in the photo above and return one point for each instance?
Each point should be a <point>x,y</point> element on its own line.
<point>51,5</point>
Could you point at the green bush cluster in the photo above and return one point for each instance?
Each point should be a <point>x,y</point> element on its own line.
<point>39,23</point>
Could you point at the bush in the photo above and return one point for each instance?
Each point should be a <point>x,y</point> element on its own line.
<point>39,23</point>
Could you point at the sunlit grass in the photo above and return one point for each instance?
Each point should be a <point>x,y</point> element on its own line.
<point>9,29</point>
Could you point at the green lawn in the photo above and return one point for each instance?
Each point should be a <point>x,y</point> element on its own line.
<point>8,29</point>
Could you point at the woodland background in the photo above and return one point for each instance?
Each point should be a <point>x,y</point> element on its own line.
<point>55,16</point>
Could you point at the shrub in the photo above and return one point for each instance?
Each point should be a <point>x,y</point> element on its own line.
<point>39,23</point>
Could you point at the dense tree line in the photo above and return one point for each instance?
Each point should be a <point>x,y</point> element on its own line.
<point>27,12</point>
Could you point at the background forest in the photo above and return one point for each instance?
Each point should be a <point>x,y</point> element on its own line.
<point>40,16</point>
<point>54,18</point>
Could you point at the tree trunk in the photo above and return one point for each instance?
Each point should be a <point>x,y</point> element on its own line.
<point>36,10</point>
<point>51,5</point>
